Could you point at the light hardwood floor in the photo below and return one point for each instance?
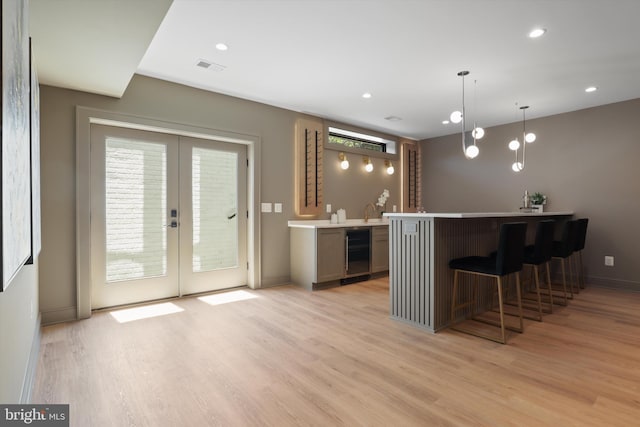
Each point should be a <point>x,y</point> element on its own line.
<point>333,357</point>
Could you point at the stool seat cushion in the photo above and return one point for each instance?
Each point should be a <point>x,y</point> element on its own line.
<point>530,256</point>
<point>561,249</point>
<point>478,264</point>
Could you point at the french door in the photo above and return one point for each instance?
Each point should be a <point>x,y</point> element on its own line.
<point>168,215</point>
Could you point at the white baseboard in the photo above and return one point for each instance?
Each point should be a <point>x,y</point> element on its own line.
<point>32,365</point>
<point>58,316</point>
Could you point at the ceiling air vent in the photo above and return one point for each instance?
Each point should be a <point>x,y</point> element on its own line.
<point>208,65</point>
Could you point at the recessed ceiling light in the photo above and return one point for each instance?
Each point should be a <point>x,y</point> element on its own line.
<point>366,95</point>
<point>445,122</point>
<point>534,34</point>
<point>222,46</point>
<point>591,89</point>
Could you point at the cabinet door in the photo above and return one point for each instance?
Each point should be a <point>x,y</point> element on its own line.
<point>331,254</point>
<point>379,249</point>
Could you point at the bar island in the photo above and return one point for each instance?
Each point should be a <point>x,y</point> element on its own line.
<point>421,246</point>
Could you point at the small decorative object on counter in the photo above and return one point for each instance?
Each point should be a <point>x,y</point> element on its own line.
<point>382,201</point>
<point>342,216</point>
<point>334,218</point>
<point>538,200</point>
<point>525,200</point>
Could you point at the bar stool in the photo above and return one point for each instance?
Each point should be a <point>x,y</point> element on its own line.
<point>508,260</point>
<point>562,250</point>
<point>540,254</point>
<point>581,237</point>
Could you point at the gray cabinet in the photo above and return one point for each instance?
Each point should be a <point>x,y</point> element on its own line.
<point>330,254</point>
<point>379,249</point>
<point>319,256</point>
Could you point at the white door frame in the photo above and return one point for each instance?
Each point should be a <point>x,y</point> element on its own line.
<point>84,118</point>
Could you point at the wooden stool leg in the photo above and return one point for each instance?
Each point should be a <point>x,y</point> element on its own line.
<point>577,275</point>
<point>549,287</point>
<point>581,270</point>
<point>519,296</point>
<point>453,296</point>
<point>474,297</point>
<point>571,274</point>
<point>504,340</point>
<point>537,274</point>
<point>564,280</point>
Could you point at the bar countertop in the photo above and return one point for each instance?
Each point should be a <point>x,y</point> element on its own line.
<point>476,214</point>
<point>325,223</point>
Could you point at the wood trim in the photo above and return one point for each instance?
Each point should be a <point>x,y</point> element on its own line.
<point>309,155</point>
<point>411,177</point>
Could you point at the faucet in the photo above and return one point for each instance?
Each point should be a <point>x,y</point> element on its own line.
<point>366,211</point>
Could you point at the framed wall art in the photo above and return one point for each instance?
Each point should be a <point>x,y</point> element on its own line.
<point>15,190</point>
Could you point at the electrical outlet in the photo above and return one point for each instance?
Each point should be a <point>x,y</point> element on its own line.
<point>608,261</point>
<point>328,207</point>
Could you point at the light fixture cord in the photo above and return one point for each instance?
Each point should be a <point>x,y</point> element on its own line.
<point>475,110</point>
<point>524,134</point>
<point>464,145</point>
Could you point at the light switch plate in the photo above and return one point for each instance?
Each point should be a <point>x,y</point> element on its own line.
<point>277,207</point>
<point>266,208</point>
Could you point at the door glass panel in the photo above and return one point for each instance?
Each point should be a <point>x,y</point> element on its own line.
<point>136,207</point>
<point>215,209</point>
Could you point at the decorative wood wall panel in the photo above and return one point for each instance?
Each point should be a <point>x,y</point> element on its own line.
<point>309,153</point>
<point>411,179</point>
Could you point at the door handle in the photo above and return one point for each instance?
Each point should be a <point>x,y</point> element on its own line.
<point>346,254</point>
<point>174,224</point>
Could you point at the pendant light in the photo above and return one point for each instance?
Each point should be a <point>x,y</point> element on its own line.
<point>527,138</point>
<point>470,151</point>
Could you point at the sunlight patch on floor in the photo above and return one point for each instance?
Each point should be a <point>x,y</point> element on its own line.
<point>227,297</point>
<point>145,312</point>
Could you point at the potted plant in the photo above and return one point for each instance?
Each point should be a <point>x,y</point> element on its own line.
<point>538,200</point>
<point>382,202</point>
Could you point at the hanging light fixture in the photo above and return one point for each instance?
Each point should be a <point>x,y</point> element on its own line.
<point>344,163</point>
<point>470,151</point>
<point>527,138</point>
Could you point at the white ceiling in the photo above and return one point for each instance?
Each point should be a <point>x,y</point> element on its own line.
<point>92,45</point>
<point>320,56</point>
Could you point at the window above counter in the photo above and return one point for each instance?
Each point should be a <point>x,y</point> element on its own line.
<point>351,139</point>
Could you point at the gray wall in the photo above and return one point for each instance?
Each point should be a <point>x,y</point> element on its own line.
<point>354,188</point>
<point>156,99</point>
<point>585,161</point>
<point>19,336</point>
